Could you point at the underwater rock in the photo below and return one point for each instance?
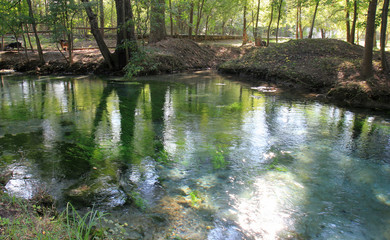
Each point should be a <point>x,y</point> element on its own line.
<point>101,191</point>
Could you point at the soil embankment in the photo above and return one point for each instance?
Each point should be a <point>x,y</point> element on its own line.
<point>328,68</point>
<point>168,56</point>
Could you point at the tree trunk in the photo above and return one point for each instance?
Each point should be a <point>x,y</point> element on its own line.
<point>39,47</point>
<point>191,20</point>
<point>207,27</point>
<point>70,47</point>
<point>199,17</point>
<point>255,33</point>
<point>126,43</point>
<point>244,32</point>
<point>300,21</point>
<point>348,25</point>
<point>270,22</point>
<point>98,37</point>
<point>101,10</point>
<point>355,16</point>
<point>25,45</point>
<point>314,18</point>
<point>385,10</point>
<point>297,21</point>
<point>170,16</point>
<point>157,21</point>
<point>29,39</point>
<point>279,15</point>
<point>366,68</point>
<point>322,33</point>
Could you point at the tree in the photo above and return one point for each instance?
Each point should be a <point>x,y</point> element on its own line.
<point>270,20</point>
<point>385,10</point>
<point>244,32</point>
<point>109,59</point>
<point>366,67</point>
<point>347,21</point>
<point>32,19</point>
<point>314,18</point>
<point>279,16</point>
<point>157,21</point>
<point>126,43</point>
<point>354,21</point>
<point>199,16</point>
<point>191,20</point>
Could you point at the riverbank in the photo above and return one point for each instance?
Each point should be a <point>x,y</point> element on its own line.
<point>329,69</point>
<point>326,69</point>
<point>168,56</point>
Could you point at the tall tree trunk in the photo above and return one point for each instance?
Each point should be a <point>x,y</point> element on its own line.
<point>347,22</point>
<point>270,22</point>
<point>170,16</point>
<point>223,27</point>
<point>101,10</point>
<point>366,68</point>
<point>322,33</point>
<point>98,37</point>
<point>385,10</point>
<point>244,32</point>
<point>25,44</point>
<point>314,18</point>
<point>256,32</point>
<point>29,39</point>
<point>355,16</point>
<point>207,27</point>
<point>279,15</point>
<point>300,21</point>
<point>39,47</point>
<point>157,21</point>
<point>297,21</point>
<point>126,43</point>
<point>70,47</point>
<point>199,16</point>
<point>191,20</point>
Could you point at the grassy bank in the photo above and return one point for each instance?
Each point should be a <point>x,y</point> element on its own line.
<point>38,219</point>
<point>324,66</point>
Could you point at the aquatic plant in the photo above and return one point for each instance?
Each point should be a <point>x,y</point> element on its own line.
<point>234,107</point>
<point>274,165</point>
<point>162,156</point>
<point>218,160</point>
<point>195,198</point>
<point>138,200</point>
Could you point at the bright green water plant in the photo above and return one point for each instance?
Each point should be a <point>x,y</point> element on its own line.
<point>218,160</point>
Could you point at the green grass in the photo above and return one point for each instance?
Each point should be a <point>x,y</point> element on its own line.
<point>23,219</point>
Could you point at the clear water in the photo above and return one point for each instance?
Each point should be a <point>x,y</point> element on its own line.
<point>198,156</point>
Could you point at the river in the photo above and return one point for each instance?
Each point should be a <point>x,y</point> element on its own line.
<point>198,156</point>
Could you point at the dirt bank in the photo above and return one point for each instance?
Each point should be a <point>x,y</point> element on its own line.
<point>329,68</point>
<point>171,55</point>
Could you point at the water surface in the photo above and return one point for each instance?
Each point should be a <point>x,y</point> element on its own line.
<point>198,156</point>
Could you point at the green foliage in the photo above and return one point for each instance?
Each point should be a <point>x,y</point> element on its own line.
<point>140,60</point>
<point>196,199</point>
<point>138,200</point>
<point>81,227</point>
<point>234,107</point>
<point>218,160</point>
